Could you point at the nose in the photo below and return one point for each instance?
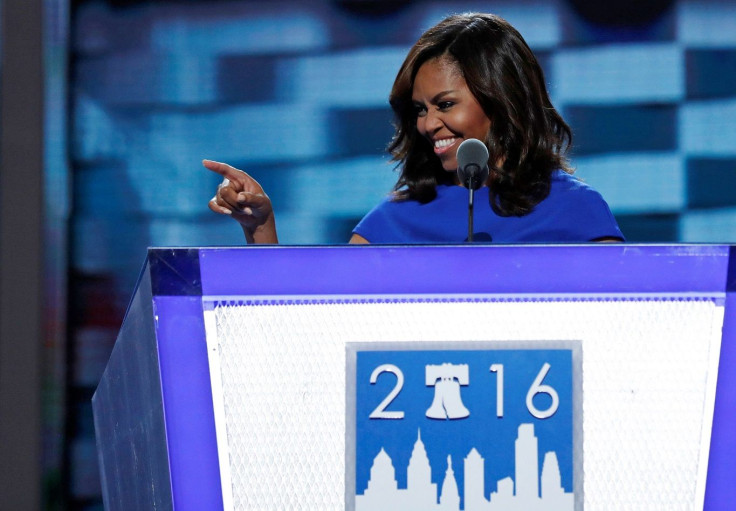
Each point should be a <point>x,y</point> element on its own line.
<point>430,123</point>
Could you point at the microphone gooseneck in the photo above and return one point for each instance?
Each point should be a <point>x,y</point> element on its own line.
<point>472,171</point>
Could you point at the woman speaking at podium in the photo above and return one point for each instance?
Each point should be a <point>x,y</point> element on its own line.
<point>471,76</point>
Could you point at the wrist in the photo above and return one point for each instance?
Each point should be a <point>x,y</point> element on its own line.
<point>264,233</point>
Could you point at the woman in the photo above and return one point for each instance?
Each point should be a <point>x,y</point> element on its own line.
<point>470,76</point>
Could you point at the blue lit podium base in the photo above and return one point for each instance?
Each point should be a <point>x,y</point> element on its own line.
<point>424,377</point>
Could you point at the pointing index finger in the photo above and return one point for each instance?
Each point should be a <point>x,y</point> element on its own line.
<point>223,169</point>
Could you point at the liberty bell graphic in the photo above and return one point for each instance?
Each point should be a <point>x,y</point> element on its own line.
<point>446,379</point>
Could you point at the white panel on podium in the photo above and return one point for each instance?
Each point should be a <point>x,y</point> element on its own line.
<point>279,378</point>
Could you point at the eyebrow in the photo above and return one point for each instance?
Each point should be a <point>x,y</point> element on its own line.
<point>437,96</point>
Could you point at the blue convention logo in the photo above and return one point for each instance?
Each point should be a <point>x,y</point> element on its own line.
<point>472,430</point>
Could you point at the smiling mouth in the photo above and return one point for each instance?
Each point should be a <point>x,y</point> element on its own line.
<point>443,145</point>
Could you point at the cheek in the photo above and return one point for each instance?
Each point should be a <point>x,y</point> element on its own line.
<point>477,122</point>
<point>483,124</point>
<point>472,124</point>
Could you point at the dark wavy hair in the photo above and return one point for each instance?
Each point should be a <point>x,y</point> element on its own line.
<point>527,134</point>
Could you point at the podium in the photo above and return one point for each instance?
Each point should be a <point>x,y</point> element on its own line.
<point>240,378</point>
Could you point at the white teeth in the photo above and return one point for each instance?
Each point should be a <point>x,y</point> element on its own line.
<point>444,142</point>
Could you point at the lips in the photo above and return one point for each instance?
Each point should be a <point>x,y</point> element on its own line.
<point>443,145</point>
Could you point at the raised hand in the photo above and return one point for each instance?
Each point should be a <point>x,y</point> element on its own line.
<point>241,197</point>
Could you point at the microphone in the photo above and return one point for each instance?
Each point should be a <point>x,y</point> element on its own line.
<point>472,163</point>
<point>472,171</point>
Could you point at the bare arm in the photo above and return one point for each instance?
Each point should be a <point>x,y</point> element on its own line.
<point>357,239</point>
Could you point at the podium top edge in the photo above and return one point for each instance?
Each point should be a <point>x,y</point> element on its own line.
<point>304,270</point>
<point>705,246</point>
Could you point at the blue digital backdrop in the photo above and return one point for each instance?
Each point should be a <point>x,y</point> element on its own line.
<point>296,94</point>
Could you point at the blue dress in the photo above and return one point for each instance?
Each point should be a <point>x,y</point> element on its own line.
<point>573,212</point>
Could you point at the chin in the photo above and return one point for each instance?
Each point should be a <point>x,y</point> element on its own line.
<point>450,165</point>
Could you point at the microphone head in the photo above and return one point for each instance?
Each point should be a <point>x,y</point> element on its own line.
<point>472,163</point>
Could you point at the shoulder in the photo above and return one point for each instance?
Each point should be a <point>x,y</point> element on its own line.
<point>409,221</point>
<point>566,181</point>
<point>578,206</point>
<point>379,224</point>
<point>393,204</point>
<point>569,190</point>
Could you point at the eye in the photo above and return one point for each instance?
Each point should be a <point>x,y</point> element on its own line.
<point>419,110</point>
<point>445,105</point>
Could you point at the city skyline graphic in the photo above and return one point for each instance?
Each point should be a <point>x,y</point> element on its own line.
<point>528,490</point>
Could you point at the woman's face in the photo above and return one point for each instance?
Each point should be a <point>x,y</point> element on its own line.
<point>447,112</point>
